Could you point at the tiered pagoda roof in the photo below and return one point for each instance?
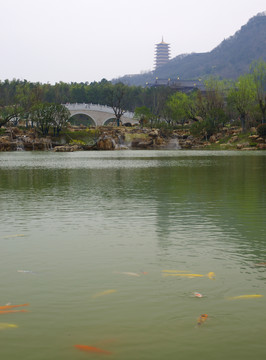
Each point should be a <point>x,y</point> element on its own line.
<point>162,54</point>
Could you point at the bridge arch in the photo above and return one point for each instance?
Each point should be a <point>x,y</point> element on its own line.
<point>100,114</point>
<point>109,121</point>
<point>89,117</point>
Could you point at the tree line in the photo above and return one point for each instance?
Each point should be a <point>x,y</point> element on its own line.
<point>221,102</point>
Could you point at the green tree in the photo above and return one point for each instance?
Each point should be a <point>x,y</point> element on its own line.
<point>242,98</point>
<point>9,113</point>
<point>60,116</point>
<point>209,107</point>
<point>258,71</point>
<point>144,115</point>
<point>116,96</point>
<point>177,108</point>
<point>42,116</point>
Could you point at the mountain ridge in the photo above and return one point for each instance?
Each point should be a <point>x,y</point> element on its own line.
<point>230,59</point>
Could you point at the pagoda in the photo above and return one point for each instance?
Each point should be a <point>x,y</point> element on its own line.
<point>162,54</point>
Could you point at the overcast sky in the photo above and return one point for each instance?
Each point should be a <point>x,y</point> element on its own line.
<point>87,40</point>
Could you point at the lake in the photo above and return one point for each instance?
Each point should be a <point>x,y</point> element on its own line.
<point>109,248</point>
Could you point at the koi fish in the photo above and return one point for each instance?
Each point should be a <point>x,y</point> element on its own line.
<point>92,349</point>
<point>198,295</point>
<point>261,264</point>
<point>128,273</point>
<point>175,271</point>
<point>210,275</point>
<point>185,275</point>
<point>106,292</point>
<point>24,271</point>
<point>12,311</point>
<point>6,326</point>
<point>245,297</point>
<point>12,236</point>
<point>12,306</point>
<point>202,319</point>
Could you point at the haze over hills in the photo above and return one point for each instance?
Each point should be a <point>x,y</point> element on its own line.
<point>230,59</point>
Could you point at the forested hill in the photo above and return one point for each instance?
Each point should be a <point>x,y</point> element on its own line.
<point>230,59</point>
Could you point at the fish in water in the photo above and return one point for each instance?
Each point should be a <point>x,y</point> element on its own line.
<point>128,273</point>
<point>6,326</point>
<point>13,236</point>
<point>12,306</point>
<point>261,264</point>
<point>92,349</point>
<point>197,294</point>
<point>202,319</point>
<point>106,292</point>
<point>25,271</point>
<point>210,275</point>
<point>255,296</point>
<point>12,311</point>
<point>185,275</point>
<point>175,271</point>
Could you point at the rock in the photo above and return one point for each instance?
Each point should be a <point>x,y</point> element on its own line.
<point>159,141</point>
<point>253,137</point>
<point>140,144</point>
<point>105,143</point>
<point>261,146</point>
<point>67,148</point>
<point>233,139</point>
<point>188,144</point>
<point>260,140</point>
<point>154,134</point>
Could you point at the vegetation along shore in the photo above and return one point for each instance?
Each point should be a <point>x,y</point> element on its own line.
<point>223,114</point>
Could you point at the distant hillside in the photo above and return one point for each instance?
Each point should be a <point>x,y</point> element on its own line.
<point>230,59</point>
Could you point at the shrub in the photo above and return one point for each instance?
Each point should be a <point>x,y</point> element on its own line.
<point>261,129</point>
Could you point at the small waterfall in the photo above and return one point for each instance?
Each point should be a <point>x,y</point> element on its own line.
<point>20,145</point>
<point>173,144</point>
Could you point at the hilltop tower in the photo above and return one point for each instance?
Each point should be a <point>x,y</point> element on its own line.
<point>162,54</point>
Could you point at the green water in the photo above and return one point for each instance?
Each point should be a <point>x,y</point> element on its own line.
<point>87,218</point>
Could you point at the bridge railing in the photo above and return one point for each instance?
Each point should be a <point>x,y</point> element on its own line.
<point>94,107</point>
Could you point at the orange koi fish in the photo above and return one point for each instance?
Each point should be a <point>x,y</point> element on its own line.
<point>12,311</point>
<point>202,319</point>
<point>12,306</point>
<point>92,349</point>
<point>106,292</point>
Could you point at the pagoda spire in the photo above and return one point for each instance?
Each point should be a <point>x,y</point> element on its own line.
<point>162,53</point>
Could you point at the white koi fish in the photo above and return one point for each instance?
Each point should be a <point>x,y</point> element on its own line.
<point>127,273</point>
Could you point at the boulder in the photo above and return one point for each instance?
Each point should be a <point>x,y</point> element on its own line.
<point>105,143</point>
<point>213,139</point>
<point>140,144</point>
<point>67,148</point>
<point>154,134</point>
<point>261,146</point>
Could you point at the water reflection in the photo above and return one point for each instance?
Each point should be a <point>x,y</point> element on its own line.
<point>88,217</point>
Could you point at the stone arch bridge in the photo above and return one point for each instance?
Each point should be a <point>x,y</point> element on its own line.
<point>99,114</point>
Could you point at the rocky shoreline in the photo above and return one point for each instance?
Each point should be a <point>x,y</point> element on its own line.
<point>113,138</point>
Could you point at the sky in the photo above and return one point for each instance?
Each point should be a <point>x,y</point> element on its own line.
<point>49,41</point>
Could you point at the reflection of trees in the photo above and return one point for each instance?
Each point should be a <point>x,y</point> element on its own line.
<point>227,191</point>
